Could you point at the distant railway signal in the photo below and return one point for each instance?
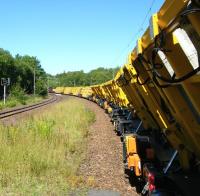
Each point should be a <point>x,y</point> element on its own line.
<point>5,82</point>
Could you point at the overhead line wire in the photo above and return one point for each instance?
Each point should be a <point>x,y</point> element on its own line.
<point>140,29</point>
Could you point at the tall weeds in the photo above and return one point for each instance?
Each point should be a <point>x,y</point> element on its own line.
<point>41,154</point>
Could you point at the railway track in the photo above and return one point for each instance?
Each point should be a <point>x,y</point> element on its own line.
<point>16,111</point>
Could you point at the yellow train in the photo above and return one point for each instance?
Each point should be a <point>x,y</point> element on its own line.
<point>154,103</point>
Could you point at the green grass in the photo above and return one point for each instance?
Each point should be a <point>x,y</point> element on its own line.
<point>14,101</point>
<point>41,155</point>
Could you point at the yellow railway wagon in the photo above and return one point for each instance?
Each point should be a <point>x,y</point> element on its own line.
<point>86,92</point>
<point>68,90</point>
<point>159,85</point>
<point>59,90</point>
<point>167,56</point>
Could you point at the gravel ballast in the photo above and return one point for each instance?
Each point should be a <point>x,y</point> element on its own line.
<point>104,162</point>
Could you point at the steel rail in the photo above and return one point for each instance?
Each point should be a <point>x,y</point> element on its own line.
<point>13,112</point>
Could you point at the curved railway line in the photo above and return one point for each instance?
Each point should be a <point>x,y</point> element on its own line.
<point>153,101</point>
<point>12,112</point>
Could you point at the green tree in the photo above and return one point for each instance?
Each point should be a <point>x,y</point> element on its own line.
<point>27,66</point>
<point>7,68</point>
<point>79,78</point>
<point>21,69</point>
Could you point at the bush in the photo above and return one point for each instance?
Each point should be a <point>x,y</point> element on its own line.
<point>18,93</point>
<point>11,103</point>
<point>41,88</point>
<point>1,106</point>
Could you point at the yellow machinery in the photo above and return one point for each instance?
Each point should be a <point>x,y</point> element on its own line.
<point>97,91</point>
<point>120,95</point>
<point>166,61</point>
<point>86,92</point>
<point>108,96</point>
<point>59,90</point>
<point>67,90</point>
<point>154,102</point>
<point>76,91</point>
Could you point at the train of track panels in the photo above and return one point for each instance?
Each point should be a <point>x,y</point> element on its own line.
<point>154,103</point>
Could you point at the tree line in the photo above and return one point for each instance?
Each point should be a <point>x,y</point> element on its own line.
<point>21,70</point>
<point>80,78</point>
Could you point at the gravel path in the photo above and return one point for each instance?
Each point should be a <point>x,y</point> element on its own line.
<point>104,162</point>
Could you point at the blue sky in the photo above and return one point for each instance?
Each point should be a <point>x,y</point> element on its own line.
<point>68,35</point>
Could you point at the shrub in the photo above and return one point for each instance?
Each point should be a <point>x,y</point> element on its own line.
<point>11,103</point>
<point>18,93</point>
<point>41,88</point>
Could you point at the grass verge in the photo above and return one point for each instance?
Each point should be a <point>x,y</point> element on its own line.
<point>41,155</point>
<point>15,101</point>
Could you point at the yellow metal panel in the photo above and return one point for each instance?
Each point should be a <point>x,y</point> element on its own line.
<point>131,145</point>
<point>169,11</point>
<point>154,28</point>
<point>134,54</point>
<point>139,48</point>
<point>146,38</point>
<point>59,89</point>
